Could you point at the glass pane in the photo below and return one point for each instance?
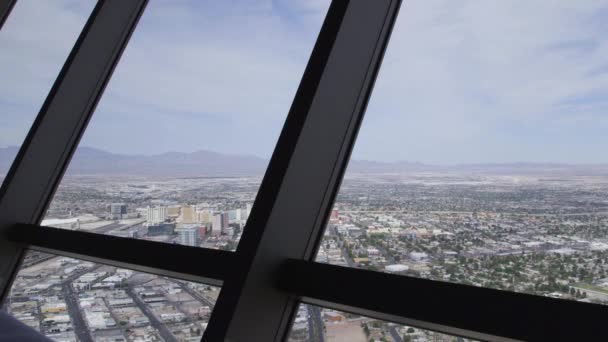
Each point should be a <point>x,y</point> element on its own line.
<point>178,146</point>
<point>313,323</point>
<point>34,43</point>
<point>73,300</point>
<point>481,157</point>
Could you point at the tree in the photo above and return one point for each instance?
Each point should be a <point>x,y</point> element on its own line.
<point>366,330</point>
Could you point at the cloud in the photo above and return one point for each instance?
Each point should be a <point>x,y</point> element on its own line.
<point>34,43</point>
<point>462,81</point>
<point>476,81</point>
<point>208,75</point>
<point>196,74</point>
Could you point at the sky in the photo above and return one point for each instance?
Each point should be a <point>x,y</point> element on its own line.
<point>468,81</point>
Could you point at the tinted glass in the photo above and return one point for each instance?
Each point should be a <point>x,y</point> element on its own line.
<point>481,157</point>
<point>73,300</point>
<point>34,43</point>
<point>181,139</point>
<point>313,323</point>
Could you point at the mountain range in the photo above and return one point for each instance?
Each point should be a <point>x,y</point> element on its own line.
<point>92,161</point>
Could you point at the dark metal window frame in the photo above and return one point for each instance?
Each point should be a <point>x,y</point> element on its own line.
<point>273,268</point>
<point>6,7</point>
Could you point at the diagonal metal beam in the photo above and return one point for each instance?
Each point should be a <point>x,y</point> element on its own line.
<point>6,6</point>
<point>304,173</point>
<point>55,133</point>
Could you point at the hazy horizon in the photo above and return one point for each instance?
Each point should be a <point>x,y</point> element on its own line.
<point>266,159</point>
<point>462,82</point>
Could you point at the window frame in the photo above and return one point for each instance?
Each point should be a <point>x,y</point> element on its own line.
<point>6,6</point>
<point>273,269</point>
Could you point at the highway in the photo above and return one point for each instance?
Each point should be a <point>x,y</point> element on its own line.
<point>316,329</point>
<point>71,299</point>
<point>80,327</point>
<point>104,229</point>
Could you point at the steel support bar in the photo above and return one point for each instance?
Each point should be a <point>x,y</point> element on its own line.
<point>462,310</point>
<point>184,262</point>
<point>6,6</point>
<point>42,159</point>
<point>297,192</point>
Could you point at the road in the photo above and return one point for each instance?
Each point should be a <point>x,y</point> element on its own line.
<point>40,257</point>
<point>161,327</point>
<point>333,231</point>
<point>394,334</point>
<point>315,324</point>
<point>71,299</point>
<point>104,229</point>
<point>195,294</point>
<point>80,327</point>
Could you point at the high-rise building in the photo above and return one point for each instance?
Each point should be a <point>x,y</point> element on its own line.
<point>225,220</point>
<point>228,231</point>
<point>164,228</point>
<point>173,211</point>
<point>188,214</point>
<point>246,212</point>
<point>157,215</point>
<point>188,236</point>
<point>216,224</point>
<point>204,216</point>
<point>118,210</point>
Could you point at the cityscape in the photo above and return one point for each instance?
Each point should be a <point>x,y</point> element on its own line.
<point>480,160</point>
<point>541,230</point>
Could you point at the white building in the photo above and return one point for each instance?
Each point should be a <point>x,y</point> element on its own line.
<point>245,213</point>
<point>70,223</point>
<point>418,256</point>
<point>216,224</point>
<point>396,268</point>
<point>157,215</point>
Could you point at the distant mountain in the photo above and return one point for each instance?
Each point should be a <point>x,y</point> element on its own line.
<point>369,166</point>
<point>92,161</point>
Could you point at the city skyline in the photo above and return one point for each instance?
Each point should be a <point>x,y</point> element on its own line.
<point>461,83</point>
